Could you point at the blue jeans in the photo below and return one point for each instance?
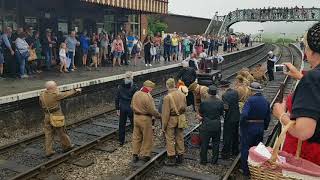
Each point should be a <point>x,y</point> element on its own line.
<point>48,58</point>
<point>70,55</point>
<point>23,58</point>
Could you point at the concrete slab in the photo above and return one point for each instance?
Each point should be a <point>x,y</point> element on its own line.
<point>189,174</point>
<point>13,166</point>
<point>83,162</point>
<point>12,90</point>
<point>107,149</point>
<point>113,178</point>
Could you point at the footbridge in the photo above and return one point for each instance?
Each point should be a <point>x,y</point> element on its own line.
<point>262,15</point>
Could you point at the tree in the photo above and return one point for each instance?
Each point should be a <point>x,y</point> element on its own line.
<point>156,25</point>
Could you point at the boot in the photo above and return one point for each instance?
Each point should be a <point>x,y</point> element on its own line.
<point>180,159</point>
<point>135,158</point>
<point>171,161</point>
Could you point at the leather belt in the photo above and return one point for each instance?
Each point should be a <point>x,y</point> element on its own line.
<point>52,110</point>
<point>141,114</point>
<point>255,121</point>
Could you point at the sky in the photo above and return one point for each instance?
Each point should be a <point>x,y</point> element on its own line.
<point>207,8</point>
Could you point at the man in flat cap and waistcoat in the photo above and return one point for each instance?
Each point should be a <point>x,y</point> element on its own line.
<point>144,109</point>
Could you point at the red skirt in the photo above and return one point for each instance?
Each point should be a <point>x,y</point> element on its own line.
<point>309,151</point>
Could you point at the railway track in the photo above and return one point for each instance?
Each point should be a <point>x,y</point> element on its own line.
<point>25,159</point>
<point>155,169</point>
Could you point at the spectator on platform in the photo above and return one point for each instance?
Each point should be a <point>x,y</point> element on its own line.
<point>174,47</point>
<point>47,48</point>
<point>1,59</point>
<point>147,43</point>
<point>157,40</point>
<point>95,55</point>
<point>186,47</point>
<point>255,118</point>
<point>85,43</point>
<point>117,50</point>
<point>305,101</point>
<point>22,49</point>
<point>8,52</point>
<point>167,48</point>
<point>38,48</point>
<point>63,58</point>
<point>136,50</point>
<point>72,42</point>
<point>193,62</point>
<point>104,44</point>
<point>130,42</point>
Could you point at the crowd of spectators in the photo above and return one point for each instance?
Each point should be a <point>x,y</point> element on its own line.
<point>274,13</point>
<point>26,52</point>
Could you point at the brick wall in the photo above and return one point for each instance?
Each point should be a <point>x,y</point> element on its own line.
<point>144,26</point>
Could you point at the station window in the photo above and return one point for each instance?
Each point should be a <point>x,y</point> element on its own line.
<point>134,20</point>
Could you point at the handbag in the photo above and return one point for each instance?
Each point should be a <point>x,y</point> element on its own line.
<point>32,55</point>
<point>182,120</point>
<point>281,165</point>
<point>55,120</point>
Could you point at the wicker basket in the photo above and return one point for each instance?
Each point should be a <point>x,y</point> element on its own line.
<point>295,168</point>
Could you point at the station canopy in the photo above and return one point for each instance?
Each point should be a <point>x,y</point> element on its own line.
<point>145,6</point>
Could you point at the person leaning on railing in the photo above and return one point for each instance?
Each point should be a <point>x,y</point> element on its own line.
<point>306,98</point>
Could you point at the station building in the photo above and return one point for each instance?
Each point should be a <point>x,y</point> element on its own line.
<point>110,16</point>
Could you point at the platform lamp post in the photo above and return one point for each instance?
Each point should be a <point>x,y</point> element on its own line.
<point>261,31</point>
<point>284,34</point>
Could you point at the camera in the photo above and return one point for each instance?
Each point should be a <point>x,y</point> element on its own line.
<point>280,68</point>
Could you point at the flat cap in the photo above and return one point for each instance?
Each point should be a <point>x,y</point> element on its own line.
<point>149,83</point>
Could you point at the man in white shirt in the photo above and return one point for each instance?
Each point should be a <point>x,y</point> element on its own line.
<point>272,59</point>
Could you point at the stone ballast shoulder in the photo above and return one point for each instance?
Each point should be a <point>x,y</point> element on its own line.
<point>36,93</point>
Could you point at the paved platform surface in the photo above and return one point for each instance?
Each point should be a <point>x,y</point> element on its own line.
<point>12,89</point>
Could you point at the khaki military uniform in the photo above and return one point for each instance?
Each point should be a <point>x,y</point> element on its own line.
<point>51,100</point>
<point>174,135</point>
<point>200,94</point>
<point>144,109</point>
<point>244,93</point>
<point>259,75</point>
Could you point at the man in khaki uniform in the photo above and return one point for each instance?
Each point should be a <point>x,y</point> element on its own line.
<point>258,74</point>
<point>200,93</point>
<point>174,101</point>
<point>242,87</point>
<point>50,100</point>
<point>144,109</point>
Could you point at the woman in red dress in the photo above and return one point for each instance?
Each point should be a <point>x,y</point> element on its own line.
<point>305,106</point>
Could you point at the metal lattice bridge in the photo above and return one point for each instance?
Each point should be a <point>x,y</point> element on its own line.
<point>262,15</point>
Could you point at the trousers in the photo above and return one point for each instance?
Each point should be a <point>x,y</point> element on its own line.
<point>125,113</point>
<point>166,54</point>
<point>49,131</point>
<point>230,139</point>
<point>205,137</point>
<point>142,138</point>
<point>174,138</point>
<point>251,135</point>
